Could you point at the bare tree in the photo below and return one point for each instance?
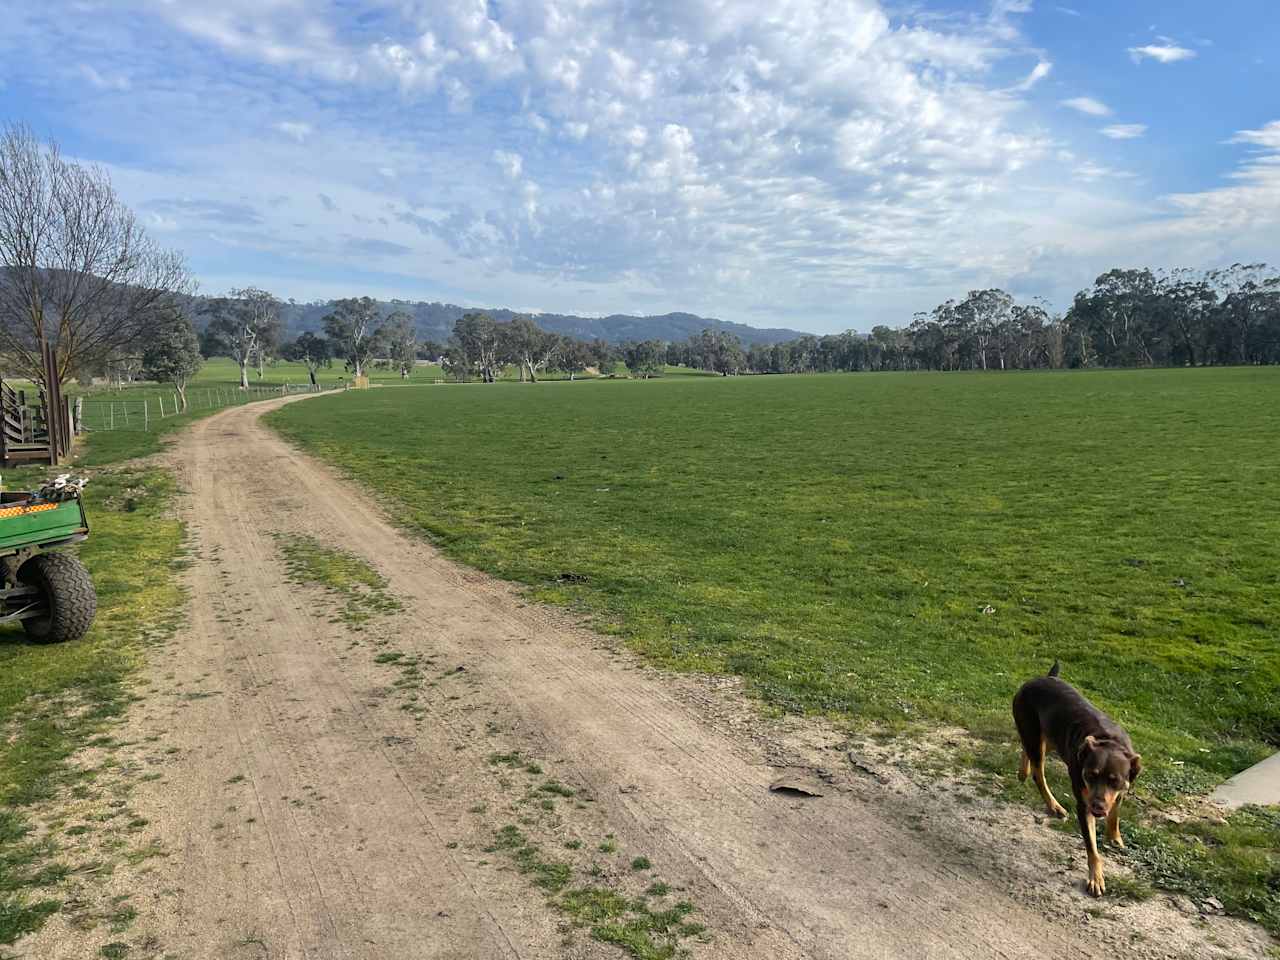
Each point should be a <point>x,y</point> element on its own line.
<point>77,271</point>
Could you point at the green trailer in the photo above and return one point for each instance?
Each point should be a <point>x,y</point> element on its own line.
<point>50,592</point>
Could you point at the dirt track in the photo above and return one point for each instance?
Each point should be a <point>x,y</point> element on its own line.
<point>308,816</point>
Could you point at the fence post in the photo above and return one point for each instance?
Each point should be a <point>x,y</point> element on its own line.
<point>160,399</point>
<point>146,414</point>
<point>124,408</point>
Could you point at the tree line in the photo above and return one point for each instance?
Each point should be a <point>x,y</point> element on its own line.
<point>246,325</point>
<point>1126,318</point>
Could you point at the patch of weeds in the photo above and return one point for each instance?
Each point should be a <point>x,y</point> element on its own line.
<point>550,875</point>
<point>114,951</point>
<point>639,931</point>
<point>121,917</point>
<point>145,852</point>
<point>1234,861</point>
<point>658,889</point>
<point>1129,888</point>
<point>557,788</point>
<point>361,590</point>
<point>20,915</point>
<point>641,863</point>
<point>608,845</point>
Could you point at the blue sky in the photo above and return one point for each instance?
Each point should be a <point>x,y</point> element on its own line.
<point>820,164</point>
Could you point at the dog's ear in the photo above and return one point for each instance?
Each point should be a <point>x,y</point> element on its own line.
<point>1088,745</point>
<point>1135,767</point>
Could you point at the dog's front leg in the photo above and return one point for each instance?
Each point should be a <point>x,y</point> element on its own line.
<point>1113,823</point>
<point>1089,830</point>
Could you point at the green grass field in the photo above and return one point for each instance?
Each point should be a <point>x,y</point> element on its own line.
<point>887,549</point>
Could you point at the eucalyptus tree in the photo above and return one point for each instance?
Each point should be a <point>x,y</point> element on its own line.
<point>355,329</point>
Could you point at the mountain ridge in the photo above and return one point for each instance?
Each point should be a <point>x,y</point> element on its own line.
<point>434,320</point>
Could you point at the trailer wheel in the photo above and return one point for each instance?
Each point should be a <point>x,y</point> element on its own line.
<point>68,594</point>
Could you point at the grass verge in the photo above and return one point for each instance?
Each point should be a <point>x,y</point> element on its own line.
<point>55,699</point>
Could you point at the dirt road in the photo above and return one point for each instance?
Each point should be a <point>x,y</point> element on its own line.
<point>307,813</point>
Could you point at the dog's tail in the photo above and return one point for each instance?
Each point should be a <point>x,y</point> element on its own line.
<point>1055,669</point>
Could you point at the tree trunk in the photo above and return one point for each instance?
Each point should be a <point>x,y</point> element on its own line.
<point>533,377</point>
<point>311,372</point>
<point>182,395</point>
<point>244,374</point>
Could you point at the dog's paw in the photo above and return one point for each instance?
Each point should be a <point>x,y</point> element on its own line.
<point>1117,840</point>
<point>1096,885</point>
<point>1057,810</point>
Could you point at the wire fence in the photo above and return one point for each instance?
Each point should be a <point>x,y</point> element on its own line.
<point>94,414</point>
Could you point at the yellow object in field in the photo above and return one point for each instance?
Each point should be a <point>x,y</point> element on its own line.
<point>360,383</point>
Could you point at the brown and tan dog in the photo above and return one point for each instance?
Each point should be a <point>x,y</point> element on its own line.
<point>1052,715</point>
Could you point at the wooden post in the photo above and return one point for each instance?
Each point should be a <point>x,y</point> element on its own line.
<point>113,413</point>
<point>161,401</point>
<point>146,415</point>
<point>124,408</point>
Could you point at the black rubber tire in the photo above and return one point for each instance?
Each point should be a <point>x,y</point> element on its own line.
<point>67,589</point>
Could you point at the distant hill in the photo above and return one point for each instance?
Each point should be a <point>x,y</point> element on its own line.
<point>434,321</point>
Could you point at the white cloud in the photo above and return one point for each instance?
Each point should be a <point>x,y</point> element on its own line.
<point>1124,131</point>
<point>295,130</point>
<point>102,81</point>
<point>1089,106</point>
<point>1268,136</point>
<point>1244,214</point>
<point>1166,51</point>
<point>1090,171</point>
<point>1038,73</point>
<point>511,163</point>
